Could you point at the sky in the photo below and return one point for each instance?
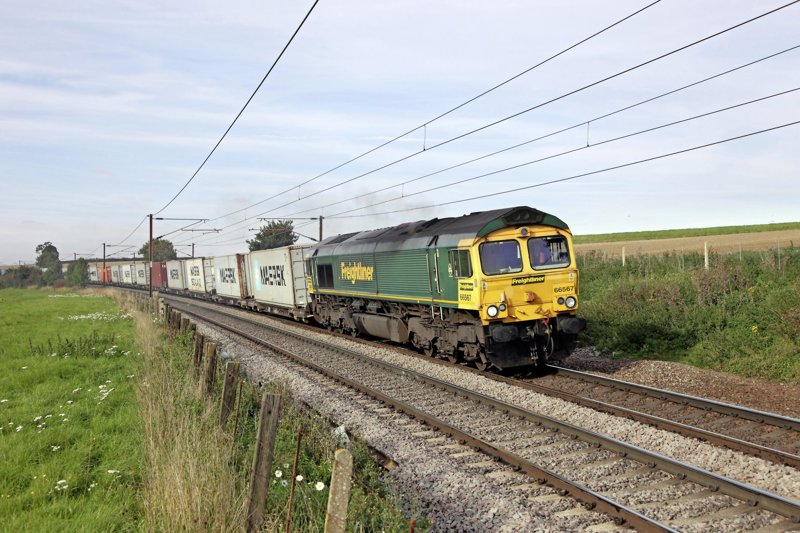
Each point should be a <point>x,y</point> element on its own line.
<point>107,108</point>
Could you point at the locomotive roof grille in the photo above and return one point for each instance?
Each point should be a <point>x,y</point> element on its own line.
<point>476,224</point>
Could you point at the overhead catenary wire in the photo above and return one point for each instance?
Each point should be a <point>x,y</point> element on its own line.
<point>524,111</point>
<point>581,175</point>
<point>449,111</point>
<point>544,136</point>
<point>239,114</point>
<point>571,151</point>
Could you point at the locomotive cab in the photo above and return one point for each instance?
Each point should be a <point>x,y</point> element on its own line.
<point>527,294</point>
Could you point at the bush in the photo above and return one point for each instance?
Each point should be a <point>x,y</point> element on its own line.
<point>739,316</point>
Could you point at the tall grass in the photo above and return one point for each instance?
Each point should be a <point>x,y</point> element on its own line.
<point>741,316</point>
<point>189,485</point>
<point>197,474</point>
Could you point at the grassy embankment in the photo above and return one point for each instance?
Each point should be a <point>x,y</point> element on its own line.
<point>678,233</point>
<point>198,473</point>
<point>741,316</point>
<point>70,444</point>
<point>75,454</point>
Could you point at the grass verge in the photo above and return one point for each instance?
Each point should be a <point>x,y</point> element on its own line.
<point>198,474</point>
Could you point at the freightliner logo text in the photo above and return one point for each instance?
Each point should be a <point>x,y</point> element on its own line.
<point>356,272</point>
<point>527,280</point>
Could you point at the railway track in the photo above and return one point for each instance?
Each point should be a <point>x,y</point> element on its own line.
<point>765,435</point>
<point>635,487</point>
<point>772,437</point>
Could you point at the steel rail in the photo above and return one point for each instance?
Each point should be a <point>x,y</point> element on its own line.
<point>720,439</point>
<point>752,495</point>
<point>746,413</point>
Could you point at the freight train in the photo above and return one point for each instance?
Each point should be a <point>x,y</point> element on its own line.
<point>494,289</point>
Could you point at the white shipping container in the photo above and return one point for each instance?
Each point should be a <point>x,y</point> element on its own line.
<point>230,275</point>
<point>126,272</point>
<point>115,274</point>
<point>278,276</point>
<point>176,278</point>
<point>142,271</point>
<point>196,275</point>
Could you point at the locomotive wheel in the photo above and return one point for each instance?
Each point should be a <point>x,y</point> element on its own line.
<point>455,355</point>
<point>481,363</point>
<point>429,350</point>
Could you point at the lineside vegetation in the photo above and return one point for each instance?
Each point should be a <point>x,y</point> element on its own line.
<point>198,473</point>
<point>740,316</point>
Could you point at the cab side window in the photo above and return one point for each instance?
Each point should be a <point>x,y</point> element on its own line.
<point>460,265</point>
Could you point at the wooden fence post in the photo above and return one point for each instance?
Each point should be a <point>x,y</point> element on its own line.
<point>199,340</point>
<point>210,368</point>
<point>228,392</point>
<point>184,325</point>
<point>623,256</point>
<point>705,254</point>
<point>339,497</point>
<point>262,461</point>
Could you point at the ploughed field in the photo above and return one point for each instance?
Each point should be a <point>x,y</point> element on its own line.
<point>724,244</point>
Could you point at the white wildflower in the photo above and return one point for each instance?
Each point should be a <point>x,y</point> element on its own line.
<point>24,368</point>
<point>278,473</point>
<point>284,482</point>
<point>38,418</point>
<point>69,402</point>
<point>319,485</point>
<point>113,471</point>
<point>3,401</point>
<point>19,428</point>
<point>55,448</point>
<point>299,478</point>
<point>75,390</point>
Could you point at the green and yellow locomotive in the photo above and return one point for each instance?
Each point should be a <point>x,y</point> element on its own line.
<point>496,288</point>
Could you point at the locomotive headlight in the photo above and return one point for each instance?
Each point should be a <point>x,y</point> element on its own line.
<point>571,302</point>
<point>502,307</point>
<point>492,311</point>
<point>560,300</point>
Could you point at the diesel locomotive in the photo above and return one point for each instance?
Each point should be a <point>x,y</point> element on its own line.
<point>497,289</point>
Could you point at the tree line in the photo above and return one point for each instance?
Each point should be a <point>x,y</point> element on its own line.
<point>47,271</point>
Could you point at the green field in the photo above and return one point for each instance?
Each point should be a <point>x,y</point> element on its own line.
<point>70,444</point>
<point>678,233</point>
